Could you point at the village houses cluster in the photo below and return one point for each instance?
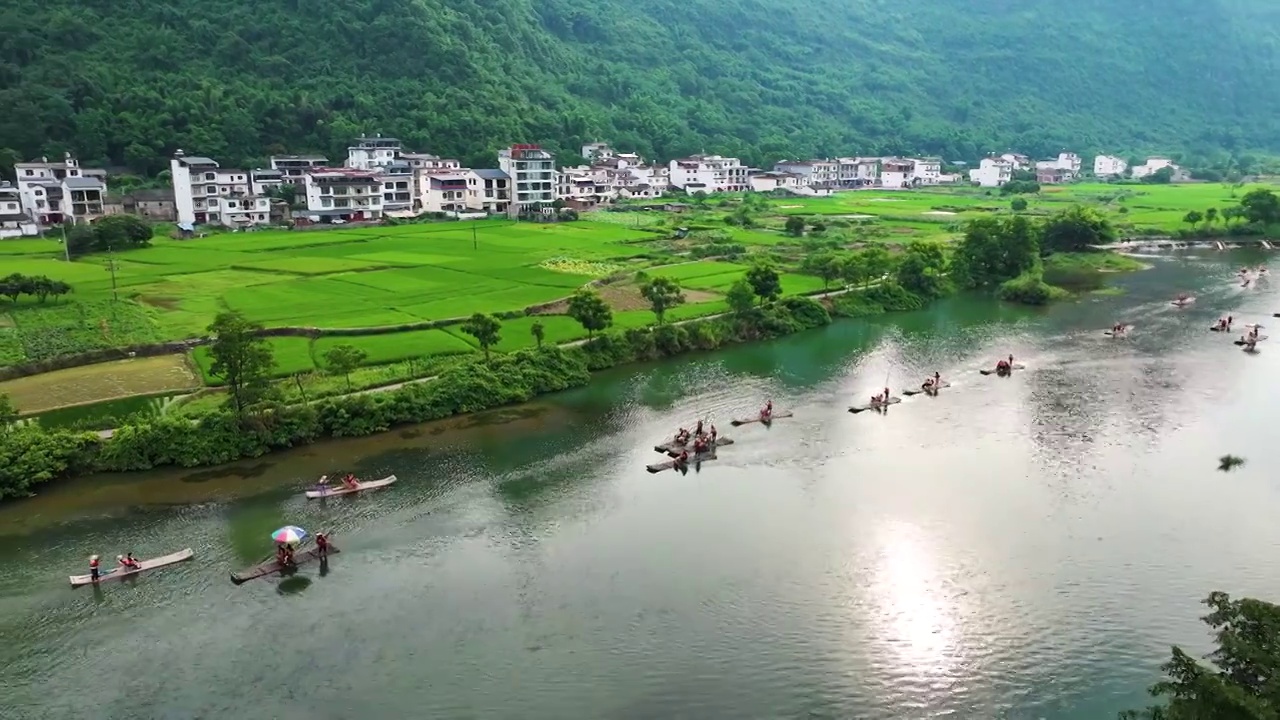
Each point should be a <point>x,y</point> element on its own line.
<point>379,178</point>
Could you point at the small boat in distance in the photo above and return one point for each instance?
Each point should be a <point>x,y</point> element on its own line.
<point>324,492</point>
<point>1118,331</point>
<point>761,419</point>
<point>1183,300</point>
<point>881,405</point>
<point>929,390</point>
<point>120,572</point>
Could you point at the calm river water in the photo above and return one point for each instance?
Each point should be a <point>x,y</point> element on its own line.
<point>1015,548</point>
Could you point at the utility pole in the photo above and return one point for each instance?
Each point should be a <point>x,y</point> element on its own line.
<point>475,243</point>
<point>66,249</point>
<point>111,265</point>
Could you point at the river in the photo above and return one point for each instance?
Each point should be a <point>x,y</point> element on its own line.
<point>1025,547</point>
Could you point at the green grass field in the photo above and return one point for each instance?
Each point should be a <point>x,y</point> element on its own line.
<point>407,274</point>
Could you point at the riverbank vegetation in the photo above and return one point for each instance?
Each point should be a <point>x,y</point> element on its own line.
<point>1239,682</point>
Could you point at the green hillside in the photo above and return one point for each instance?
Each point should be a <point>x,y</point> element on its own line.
<point>127,81</point>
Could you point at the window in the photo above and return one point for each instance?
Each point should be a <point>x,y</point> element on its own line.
<point>30,173</point>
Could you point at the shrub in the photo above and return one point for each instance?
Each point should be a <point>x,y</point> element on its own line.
<point>1029,288</point>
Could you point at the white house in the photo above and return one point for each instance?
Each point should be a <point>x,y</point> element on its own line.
<point>896,172</point>
<point>812,173</point>
<point>597,151</point>
<point>343,194</point>
<point>445,191</point>
<point>656,177</point>
<point>992,172</point>
<point>858,171</point>
<point>770,181</point>
<point>1017,160</point>
<point>204,192</point>
<point>1109,166</point>
<point>13,221</point>
<point>427,161</point>
<point>293,167</point>
<point>532,173</point>
<point>926,171</point>
<point>57,192</point>
<point>372,152</point>
<point>585,187</point>
<point>488,191</point>
<point>263,178</point>
<point>708,174</point>
<point>1154,164</point>
<point>398,187</point>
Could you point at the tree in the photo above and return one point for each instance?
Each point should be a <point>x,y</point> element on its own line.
<point>1018,204</point>
<point>1210,215</point>
<point>872,263</point>
<point>343,359</point>
<point>590,310</point>
<point>1231,213</point>
<point>8,413</point>
<point>485,329</point>
<point>1163,176</point>
<point>1020,187</point>
<point>740,297</point>
<point>59,288</point>
<point>11,286</point>
<point>795,226</point>
<point>241,358</point>
<point>1240,684</point>
<point>994,250</point>
<point>663,293</point>
<point>922,270</point>
<point>1193,218</point>
<point>81,239</point>
<point>539,332</point>
<point>121,232</point>
<point>826,265</point>
<point>1075,229</point>
<point>1261,206</point>
<point>764,282</point>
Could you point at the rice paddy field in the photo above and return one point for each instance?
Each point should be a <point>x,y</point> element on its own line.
<point>393,276</point>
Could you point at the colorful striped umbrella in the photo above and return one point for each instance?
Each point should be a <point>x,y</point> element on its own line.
<point>289,534</point>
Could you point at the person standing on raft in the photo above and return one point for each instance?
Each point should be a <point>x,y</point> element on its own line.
<point>322,545</point>
<point>93,568</point>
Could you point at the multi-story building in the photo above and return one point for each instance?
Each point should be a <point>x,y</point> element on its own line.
<point>708,174</point>
<point>896,173</point>
<point>1018,161</point>
<point>858,172</point>
<point>264,178</point>
<point>292,168</point>
<point>992,172</point>
<point>427,161</point>
<point>926,171</point>
<point>154,204</point>
<point>398,186</point>
<point>343,194</point>
<point>1065,167</point>
<point>594,152</point>
<point>532,173</point>
<point>370,153</point>
<point>488,191</point>
<point>204,192</point>
<point>13,221</point>
<point>445,191</point>
<point>812,173</point>
<point>58,192</point>
<point>584,187</point>
<point>1109,166</point>
<point>770,181</point>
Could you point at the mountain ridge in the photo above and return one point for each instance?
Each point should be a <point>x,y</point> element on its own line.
<point>128,81</point>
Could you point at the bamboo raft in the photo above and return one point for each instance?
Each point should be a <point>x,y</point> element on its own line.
<point>1182,303</point>
<point>748,421</point>
<point>931,390</point>
<point>993,371</point>
<point>1124,330</point>
<point>875,406</point>
<point>339,489</point>
<point>672,448</point>
<point>1257,340</point>
<point>270,565</point>
<point>694,460</point>
<point>118,573</point>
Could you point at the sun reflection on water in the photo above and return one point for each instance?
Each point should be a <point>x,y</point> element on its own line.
<point>915,622</point>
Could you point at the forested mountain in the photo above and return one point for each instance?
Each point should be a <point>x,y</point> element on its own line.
<point>127,81</point>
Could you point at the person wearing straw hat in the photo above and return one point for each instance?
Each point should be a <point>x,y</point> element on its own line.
<point>93,568</point>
